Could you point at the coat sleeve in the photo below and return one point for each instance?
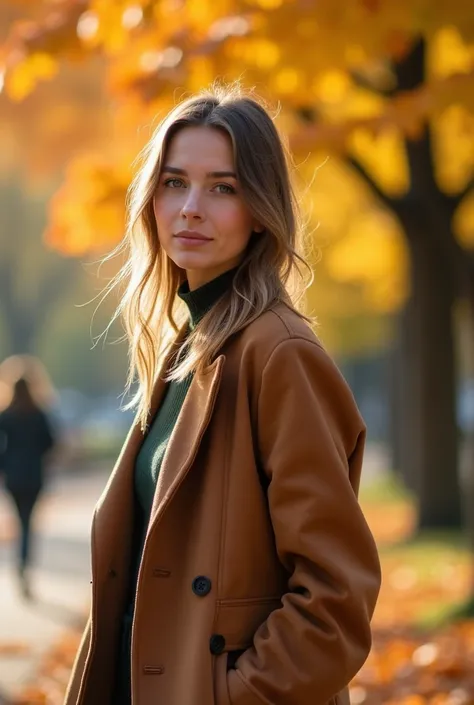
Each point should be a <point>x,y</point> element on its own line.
<point>311,439</point>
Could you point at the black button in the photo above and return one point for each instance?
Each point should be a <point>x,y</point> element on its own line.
<point>112,573</point>
<point>201,586</point>
<point>217,644</point>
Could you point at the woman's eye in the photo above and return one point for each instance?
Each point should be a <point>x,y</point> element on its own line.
<point>173,183</point>
<point>227,188</point>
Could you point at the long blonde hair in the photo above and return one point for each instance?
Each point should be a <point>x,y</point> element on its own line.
<point>271,268</point>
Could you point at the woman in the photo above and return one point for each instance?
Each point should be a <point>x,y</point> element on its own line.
<point>231,562</point>
<point>25,439</point>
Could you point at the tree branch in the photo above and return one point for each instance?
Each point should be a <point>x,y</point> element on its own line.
<point>381,195</point>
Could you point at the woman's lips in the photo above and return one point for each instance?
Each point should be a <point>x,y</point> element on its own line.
<point>192,239</point>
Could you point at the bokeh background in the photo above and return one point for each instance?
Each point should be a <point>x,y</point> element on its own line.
<point>376,102</point>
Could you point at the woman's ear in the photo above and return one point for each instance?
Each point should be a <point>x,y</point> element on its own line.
<point>258,228</point>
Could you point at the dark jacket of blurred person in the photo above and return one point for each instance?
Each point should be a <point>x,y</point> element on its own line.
<point>25,438</point>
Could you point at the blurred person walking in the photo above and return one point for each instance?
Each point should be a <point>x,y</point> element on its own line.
<point>231,562</point>
<point>26,437</point>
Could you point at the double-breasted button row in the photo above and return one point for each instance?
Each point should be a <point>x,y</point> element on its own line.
<point>201,586</point>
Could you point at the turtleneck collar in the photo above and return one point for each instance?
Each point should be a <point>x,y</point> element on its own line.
<point>201,300</point>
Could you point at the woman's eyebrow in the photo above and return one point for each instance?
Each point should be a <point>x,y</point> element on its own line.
<point>212,174</point>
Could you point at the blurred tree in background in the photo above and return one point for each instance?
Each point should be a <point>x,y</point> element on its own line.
<point>385,88</point>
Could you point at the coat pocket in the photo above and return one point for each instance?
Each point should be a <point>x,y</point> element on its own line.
<point>238,619</point>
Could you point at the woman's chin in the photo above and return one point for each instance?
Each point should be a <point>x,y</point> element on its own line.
<point>192,260</point>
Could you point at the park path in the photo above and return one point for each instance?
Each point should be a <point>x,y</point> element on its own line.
<point>60,579</point>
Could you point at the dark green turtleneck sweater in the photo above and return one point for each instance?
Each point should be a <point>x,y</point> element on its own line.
<point>150,458</point>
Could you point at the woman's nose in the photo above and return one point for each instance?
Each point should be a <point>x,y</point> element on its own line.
<point>192,205</point>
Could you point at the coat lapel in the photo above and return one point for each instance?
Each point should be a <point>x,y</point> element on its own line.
<point>187,435</point>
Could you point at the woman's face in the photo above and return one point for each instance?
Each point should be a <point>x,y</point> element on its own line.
<point>203,224</point>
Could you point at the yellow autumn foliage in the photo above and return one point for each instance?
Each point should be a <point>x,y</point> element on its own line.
<point>23,77</point>
<point>304,58</point>
<point>86,210</point>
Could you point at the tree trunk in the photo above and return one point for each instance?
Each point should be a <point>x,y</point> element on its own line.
<point>395,431</point>
<point>406,400</point>
<point>429,423</point>
<point>432,387</point>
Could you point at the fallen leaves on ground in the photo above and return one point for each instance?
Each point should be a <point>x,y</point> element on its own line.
<point>53,675</point>
<point>408,664</point>
<point>406,668</point>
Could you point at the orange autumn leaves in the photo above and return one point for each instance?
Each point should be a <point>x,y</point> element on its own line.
<point>410,665</point>
<point>50,682</point>
<point>407,668</point>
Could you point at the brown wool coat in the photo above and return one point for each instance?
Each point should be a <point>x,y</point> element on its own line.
<point>292,583</point>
